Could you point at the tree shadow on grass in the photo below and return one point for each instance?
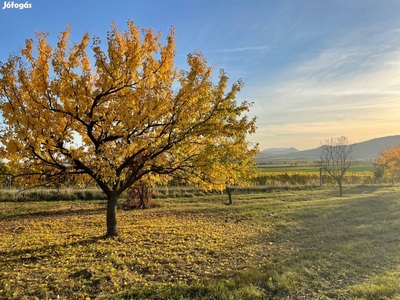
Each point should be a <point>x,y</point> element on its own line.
<point>37,254</point>
<point>248,284</point>
<point>53,213</point>
<point>351,189</point>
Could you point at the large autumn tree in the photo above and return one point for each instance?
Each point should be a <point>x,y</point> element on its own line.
<point>121,114</point>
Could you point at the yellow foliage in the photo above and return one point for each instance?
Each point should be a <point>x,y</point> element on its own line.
<point>387,165</point>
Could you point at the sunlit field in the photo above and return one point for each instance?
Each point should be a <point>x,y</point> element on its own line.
<point>284,244</point>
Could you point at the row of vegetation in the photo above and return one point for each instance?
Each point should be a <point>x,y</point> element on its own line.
<point>313,178</point>
<point>263,181</point>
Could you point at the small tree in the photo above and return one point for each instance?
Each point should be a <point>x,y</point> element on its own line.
<point>336,158</point>
<point>126,113</point>
<point>387,165</point>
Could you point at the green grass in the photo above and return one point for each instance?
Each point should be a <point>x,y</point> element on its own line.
<point>286,244</point>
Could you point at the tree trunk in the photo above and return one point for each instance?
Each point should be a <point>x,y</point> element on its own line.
<point>228,191</point>
<point>112,228</point>
<point>340,188</point>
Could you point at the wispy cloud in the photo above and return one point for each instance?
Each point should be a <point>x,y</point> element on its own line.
<point>349,90</point>
<point>240,49</point>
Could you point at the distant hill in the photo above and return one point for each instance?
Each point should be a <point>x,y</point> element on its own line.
<point>279,151</point>
<point>370,149</point>
<point>362,151</point>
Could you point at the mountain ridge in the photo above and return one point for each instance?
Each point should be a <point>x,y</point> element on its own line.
<point>366,150</point>
<point>280,150</point>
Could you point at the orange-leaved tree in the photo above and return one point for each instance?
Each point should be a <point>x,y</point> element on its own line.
<point>387,165</point>
<point>123,114</point>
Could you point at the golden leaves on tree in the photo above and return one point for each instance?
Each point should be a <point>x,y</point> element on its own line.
<point>123,113</point>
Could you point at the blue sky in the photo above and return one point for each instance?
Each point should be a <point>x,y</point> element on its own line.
<point>313,68</point>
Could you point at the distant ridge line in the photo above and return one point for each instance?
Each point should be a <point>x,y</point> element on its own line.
<point>366,150</point>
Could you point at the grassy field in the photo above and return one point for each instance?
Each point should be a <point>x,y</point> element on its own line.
<point>301,167</point>
<point>306,244</point>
